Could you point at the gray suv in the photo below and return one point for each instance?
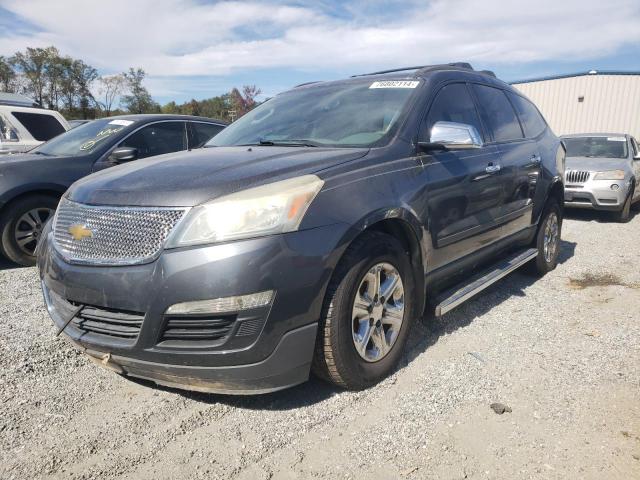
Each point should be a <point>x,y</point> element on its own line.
<point>307,235</point>
<point>602,172</point>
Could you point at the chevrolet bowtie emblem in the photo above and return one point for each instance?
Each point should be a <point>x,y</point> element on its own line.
<point>78,232</point>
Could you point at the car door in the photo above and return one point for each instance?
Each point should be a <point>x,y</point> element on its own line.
<point>465,186</point>
<point>153,139</point>
<point>519,157</point>
<point>201,132</point>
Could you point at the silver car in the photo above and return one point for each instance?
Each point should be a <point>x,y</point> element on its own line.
<point>602,170</point>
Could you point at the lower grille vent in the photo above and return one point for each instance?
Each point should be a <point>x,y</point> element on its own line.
<point>111,322</point>
<point>198,328</point>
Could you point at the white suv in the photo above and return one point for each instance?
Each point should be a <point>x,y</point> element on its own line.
<point>24,125</point>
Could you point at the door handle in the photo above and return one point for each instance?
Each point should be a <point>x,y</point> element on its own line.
<point>492,168</point>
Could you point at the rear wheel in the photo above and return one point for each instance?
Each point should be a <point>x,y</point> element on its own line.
<point>367,313</point>
<point>547,241</point>
<point>21,227</point>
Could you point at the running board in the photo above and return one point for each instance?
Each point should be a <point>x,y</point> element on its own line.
<point>450,299</point>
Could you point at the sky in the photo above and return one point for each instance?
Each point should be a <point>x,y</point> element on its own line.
<point>200,49</point>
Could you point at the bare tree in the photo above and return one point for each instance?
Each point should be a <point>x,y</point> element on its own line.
<point>111,88</point>
<point>7,75</point>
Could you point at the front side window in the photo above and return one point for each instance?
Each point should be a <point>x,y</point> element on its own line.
<point>531,119</point>
<point>453,103</point>
<point>85,139</point>
<point>360,113</point>
<point>596,146</point>
<point>157,139</point>
<point>498,114</point>
<point>41,126</point>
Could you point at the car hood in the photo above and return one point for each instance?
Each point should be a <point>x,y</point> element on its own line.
<point>24,158</point>
<point>596,164</point>
<point>193,177</point>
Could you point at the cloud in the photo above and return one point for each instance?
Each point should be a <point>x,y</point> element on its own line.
<point>191,37</point>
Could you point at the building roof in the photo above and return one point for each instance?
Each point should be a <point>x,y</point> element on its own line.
<point>577,74</point>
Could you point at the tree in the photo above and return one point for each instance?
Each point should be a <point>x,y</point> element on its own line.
<point>139,100</point>
<point>111,88</point>
<point>33,64</point>
<point>7,75</point>
<point>245,101</point>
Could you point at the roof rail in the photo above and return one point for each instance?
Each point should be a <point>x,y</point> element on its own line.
<point>389,71</point>
<point>420,68</point>
<point>488,72</point>
<point>17,100</point>
<point>308,83</point>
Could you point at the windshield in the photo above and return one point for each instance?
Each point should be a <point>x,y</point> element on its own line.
<point>598,147</point>
<point>83,139</point>
<point>339,115</point>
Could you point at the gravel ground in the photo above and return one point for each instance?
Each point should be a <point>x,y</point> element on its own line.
<point>562,352</point>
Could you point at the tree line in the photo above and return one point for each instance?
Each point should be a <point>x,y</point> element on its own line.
<point>77,90</point>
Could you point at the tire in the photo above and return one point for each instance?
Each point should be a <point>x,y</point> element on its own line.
<point>37,209</point>
<point>336,358</point>
<point>624,215</point>
<point>547,260</point>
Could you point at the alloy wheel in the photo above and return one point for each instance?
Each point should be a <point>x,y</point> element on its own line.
<point>378,312</point>
<point>551,237</point>
<point>28,229</point>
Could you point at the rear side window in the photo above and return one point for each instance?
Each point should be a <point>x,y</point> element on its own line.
<point>531,119</point>
<point>201,133</point>
<point>453,103</point>
<point>157,139</point>
<point>42,127</point>
<point>498,114</point>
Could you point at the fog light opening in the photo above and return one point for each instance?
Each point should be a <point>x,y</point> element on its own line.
<point>223,305</point>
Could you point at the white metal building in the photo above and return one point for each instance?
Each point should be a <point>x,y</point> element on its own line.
<point>592,101</point>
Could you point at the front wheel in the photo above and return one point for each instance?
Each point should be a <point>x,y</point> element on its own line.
<point>547,241</point>
<point>21,227</point>
<point>624,215</point>
<point>367,313</point>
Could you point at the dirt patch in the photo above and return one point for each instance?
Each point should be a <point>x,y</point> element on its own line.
<point>598,280</point>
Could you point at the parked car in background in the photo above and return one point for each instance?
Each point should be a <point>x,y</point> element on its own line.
<point>602,172</point>
<point>31,184</point>
<point>308,234</point>
<point>77,123</point>
<point>24,125</point>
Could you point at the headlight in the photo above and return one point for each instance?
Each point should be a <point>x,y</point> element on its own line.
<point>610,175</point>
<point>274,208</point>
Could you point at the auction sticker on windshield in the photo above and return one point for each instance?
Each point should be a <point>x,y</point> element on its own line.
<point>616,139</point>
<point>124,123</point>
<point>395,84</point>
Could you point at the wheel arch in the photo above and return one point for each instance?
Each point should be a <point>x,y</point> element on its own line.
<point>403,225</point>
<point>53,190</point>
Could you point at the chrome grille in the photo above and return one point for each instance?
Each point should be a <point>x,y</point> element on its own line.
<point>577,176</point>
<point>112,235</point>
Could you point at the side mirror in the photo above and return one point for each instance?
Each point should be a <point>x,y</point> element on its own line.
<point>123,154</point>
<point>452,136</point>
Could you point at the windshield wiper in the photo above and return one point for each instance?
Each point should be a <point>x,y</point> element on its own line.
<point>42,153</point>
<point>288,143</point>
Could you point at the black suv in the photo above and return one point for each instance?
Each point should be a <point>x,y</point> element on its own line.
<point>32,183</point>
<point>309,234</point>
